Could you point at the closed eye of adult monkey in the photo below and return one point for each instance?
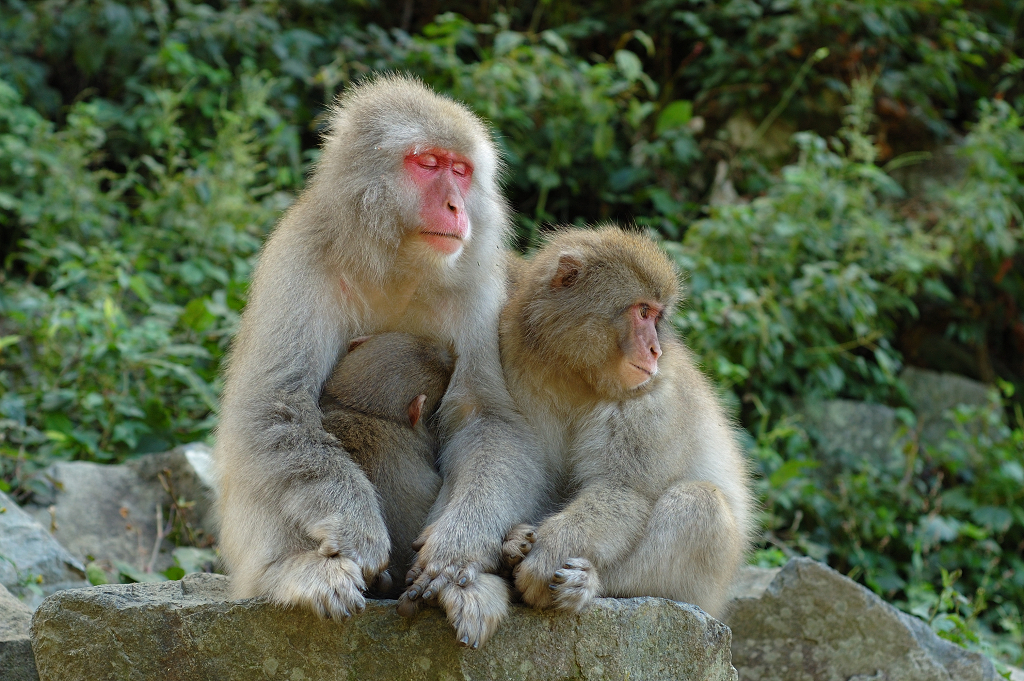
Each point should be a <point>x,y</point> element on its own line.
<point>377,402</point>
<point>653,488</point>
<point>401,227</point>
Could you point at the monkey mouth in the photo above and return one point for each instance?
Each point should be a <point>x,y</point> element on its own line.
<point>445,235</point>
<point>646,371</point>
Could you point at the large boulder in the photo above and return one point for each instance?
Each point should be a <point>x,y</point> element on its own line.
<point>16,661</point>
<point>29,555</point>
<point>191,630</point>
<point>811,623</point>
<point>933,393</point>
<point>109,513</point>
<point>848,431</point>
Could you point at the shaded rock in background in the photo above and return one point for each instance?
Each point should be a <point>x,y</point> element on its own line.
<point>190,630</point>
<point>109,511</point>
<point>33,552</point>
<point>849,431</point>
<point>16,661</point>
<point>751,582</point>
<point>932,394</point>
<point>813,624</point>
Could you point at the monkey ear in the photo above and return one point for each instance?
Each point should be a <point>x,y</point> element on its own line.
<point>416,409</point>
<point>356,342</point>
<point>568,271</point>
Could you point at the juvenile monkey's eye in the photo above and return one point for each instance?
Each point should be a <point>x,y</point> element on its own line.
<point>428,161</point>
<point>645,311</point>
<point>459,168</point>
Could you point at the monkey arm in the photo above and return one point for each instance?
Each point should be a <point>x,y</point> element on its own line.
<point>601,524</point>
<point>300,521</point>
<point>491,464</point>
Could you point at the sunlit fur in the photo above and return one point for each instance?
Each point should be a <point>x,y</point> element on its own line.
<point>300,522</point>
<point>653,494</point>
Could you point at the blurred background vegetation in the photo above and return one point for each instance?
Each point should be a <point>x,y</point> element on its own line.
<point>842,182</point>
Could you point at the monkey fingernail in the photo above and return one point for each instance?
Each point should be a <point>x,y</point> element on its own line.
<point>464,641</point>
<point>530,536</point>
<point>476,644</point>
<point>427,594</point>
<point>552,586</point>
<point>462,581</point>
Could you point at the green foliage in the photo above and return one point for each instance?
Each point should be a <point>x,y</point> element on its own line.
<point>938,530</point>
<point>761,273</point>
<point>129,284</point>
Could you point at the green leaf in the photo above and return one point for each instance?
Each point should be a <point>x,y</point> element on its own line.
<point>95,574</point>
<point>675,115</point>
<point>790,470</point>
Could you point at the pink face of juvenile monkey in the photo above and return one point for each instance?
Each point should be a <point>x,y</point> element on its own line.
<point>640,349</point>
<point>443,179</point>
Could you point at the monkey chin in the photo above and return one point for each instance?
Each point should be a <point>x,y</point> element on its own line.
<point>634,378</point>
<point>443,247</point>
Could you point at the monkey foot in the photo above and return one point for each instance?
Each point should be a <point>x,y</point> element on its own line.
<point>574,585</point>
<point>518,543</point>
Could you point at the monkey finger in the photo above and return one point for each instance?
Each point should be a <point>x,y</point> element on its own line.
<point>434,587</point>
<point>407,607</point>
<point>413,574</point>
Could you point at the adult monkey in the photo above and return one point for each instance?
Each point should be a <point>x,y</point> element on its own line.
<point>402,228</point>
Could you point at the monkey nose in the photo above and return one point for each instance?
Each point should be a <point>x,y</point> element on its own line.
<point>656,350</point>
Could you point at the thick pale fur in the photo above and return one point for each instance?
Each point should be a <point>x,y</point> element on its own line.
<point>365,405</point>
<point>300,522</point>
<point>652,488</point>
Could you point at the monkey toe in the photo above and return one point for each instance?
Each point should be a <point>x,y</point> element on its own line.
<point>574,585</point>
<point>518,543</point>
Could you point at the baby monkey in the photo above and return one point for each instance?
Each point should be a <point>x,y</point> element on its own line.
<point>377,402</point>
<point>647,484</point>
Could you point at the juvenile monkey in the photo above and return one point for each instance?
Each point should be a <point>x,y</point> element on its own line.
<point>377,403</point>
<point>652,491</point>
<point>401,227</point>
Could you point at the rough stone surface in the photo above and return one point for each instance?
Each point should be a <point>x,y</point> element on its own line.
<point>813,624</point>
<point>16,661</point>
<point>107,512</point>
<point>190,630</point>
<point>933,393</point>
<point>31,549</point>
<point>846,430</point>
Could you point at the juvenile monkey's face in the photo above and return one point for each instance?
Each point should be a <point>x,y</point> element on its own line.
<point>442,179</point>
<point>639,346</point>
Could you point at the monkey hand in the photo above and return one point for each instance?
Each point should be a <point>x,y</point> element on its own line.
<point>330,580</point>
<point>474,600</point>
<point>548,581</point>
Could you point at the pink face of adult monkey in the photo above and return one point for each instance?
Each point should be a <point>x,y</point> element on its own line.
<point>402,228</point>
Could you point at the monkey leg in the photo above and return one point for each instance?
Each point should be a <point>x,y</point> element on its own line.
<point>690,550</point>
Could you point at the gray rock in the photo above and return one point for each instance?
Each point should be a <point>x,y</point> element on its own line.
<point>108,512</point>
<point>813,624</point>
<point>27,551</point>
<point>190,630</point>
<point>849,431</point>
<point>933,393</point>
<point>16,661</point>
